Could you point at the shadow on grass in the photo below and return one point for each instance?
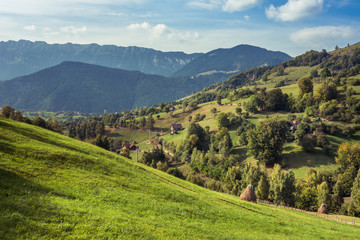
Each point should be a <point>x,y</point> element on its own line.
<point>23,206</point>
<point>240,151</point>
<point>300,159</point>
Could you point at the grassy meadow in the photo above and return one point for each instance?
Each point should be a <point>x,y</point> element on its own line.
<point>54,187</point>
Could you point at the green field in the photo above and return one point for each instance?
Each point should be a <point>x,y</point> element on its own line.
<point>54,187</point>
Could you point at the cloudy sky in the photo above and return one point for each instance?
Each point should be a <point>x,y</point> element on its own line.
<point>292,26</point>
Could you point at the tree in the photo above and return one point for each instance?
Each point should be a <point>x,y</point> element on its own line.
<point>142,122</point>
<point>196,129</point>
<point>282,186</point>
<point>100,128</point>
<point>323,194</point>
<point>40,122</point>
<point>348,156</point>
<point>6,111</point>
<point>150,122</point>
<point>225,145</point>
<point>327,92</point>
<point>276,100</point>
<point>314,73</point>
<point>54,125</point>
<point>325,73</point>
<point>262,190</point>
<point>308,143</point>
<point>153,157</point>
<point>125,153</point>
<point>218,99</point>
<point>254,104</point>
<point>193,105</point>
<point>355,192</point>
<point>238,111</point>
<point>305,86</point>
<point>184,105</point>
<point>349,131</point>
<point>222,120</point>
<point>103,142</point>
<point>266,141</point>
<point>233,180</point>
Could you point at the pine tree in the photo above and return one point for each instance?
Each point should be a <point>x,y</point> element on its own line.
<point>262,191</point>
<point>355,192</point>
<point>323,194</point>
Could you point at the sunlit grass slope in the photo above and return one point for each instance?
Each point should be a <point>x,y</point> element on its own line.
<point>55,187</point>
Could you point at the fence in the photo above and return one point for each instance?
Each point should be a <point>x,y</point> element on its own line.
<point>325,216</point>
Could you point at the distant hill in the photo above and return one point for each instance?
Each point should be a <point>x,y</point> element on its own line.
<point>230,61</point>
<point>91,88</point>
<point>18,58</point>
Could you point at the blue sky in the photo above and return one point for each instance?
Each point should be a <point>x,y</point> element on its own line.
<point>292,26</point>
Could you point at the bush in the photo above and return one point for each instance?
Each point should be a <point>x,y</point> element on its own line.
<point>196,179</point>
<point>175,172</point>
<point>38,121</point>
<point>308,143</point>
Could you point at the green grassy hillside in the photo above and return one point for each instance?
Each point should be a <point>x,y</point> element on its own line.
<point>52,186</point>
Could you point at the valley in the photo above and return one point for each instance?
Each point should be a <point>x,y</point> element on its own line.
<point>288,130</point>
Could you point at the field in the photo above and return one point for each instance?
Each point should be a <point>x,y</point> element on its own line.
<point>54,187</point>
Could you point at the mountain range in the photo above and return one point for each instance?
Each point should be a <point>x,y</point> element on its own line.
<point>18,58</point>
<point>102,84</point>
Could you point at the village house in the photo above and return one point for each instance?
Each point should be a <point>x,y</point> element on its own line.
<point>175,128</point>
<point>131,147</point>
<point>294,125</point>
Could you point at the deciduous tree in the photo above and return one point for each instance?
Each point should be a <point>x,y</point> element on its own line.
<point>266,141</point>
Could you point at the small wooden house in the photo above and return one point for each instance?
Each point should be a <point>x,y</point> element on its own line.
<point>129,146</point>
<point>175,128</point>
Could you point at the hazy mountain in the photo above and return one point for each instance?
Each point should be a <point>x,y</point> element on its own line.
<point>230,61</point>
<point>91,88</point>
<point>18,58</point>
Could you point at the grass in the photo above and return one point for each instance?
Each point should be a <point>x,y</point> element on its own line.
<point>301,162</point>
<point>52,186</point>
<point>131,135</point>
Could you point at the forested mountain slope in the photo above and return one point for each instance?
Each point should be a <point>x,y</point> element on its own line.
<point>90,88</point>
<point>232,60</point>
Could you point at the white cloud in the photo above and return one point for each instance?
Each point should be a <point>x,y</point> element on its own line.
<point>209,5</point>
<point>324,36</point>
<point>225,5</point>
<point>153,31</point>
<point>294,10</point>
<point>160,33</point>
<point>30,28</point>
<point>73,30</point>
<point>159,30</point>
<point>55,7</point>
<point>136,26</point>
<point>239,5</point>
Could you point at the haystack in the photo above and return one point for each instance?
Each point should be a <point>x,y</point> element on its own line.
<point>322,209</point>
<point>248,195</point>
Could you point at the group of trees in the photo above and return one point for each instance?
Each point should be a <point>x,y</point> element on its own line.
<point>51,124</point>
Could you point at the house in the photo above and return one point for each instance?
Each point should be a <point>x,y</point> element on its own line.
<point>171,107</point>
<point>129,146</point>
<point>175,128</point>
<point>294,125</point>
